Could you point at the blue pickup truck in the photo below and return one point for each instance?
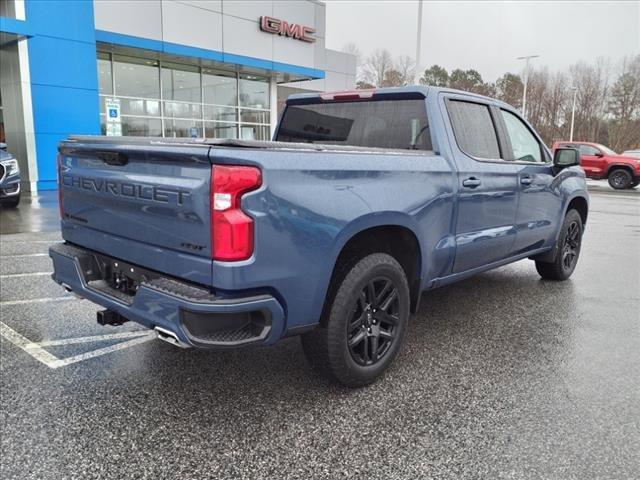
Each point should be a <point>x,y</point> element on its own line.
<point>363,201</point>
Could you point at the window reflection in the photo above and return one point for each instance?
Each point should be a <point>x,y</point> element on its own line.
<point>181,83</point>
<point>219,88</point>
<point>136,77</point>
<point>160,98</point>
<point>254,91</point>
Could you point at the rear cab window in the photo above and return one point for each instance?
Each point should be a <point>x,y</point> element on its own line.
<point>394,123</point>
<point>473,129</point>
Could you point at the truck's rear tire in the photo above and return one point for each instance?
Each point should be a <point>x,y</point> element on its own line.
<point>620,179</point>
<point>568,249</point>
<point>364,323</point>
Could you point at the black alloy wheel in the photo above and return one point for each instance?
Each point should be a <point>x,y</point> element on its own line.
<point>620,179</point>
<point>364,321</point>
<point>567,250</point>
<point>372,326</point>
<point>571,246</point>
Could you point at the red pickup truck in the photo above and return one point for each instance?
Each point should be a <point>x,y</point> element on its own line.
<point>600,162</point>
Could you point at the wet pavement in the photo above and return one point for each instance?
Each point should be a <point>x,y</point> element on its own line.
<point>502,376</point>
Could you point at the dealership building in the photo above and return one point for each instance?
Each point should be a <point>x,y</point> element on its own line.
<point>158,68</point>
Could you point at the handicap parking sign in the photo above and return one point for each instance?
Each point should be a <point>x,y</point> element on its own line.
<point>113,124</point>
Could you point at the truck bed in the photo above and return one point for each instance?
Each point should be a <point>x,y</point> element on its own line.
<point>235,143</point>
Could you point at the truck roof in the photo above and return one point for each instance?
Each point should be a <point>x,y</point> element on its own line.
<point>406,92</point>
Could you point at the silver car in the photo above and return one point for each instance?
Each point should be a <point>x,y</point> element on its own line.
<point>9,178</point>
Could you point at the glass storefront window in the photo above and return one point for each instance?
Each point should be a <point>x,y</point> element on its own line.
<point>254,91</point>
<point>182,128</point>
<point>254,116</point>
<point>182,110</point>
<point>141,127</point>
<point>181,83</point>
<point>105,79</point>
<point>255,132</point>
<point>159,98</point>
<point>219,88</point>
<point>139,106</point>
<point>220,130</point>
<point>136,77</point>
<point>221,114</point>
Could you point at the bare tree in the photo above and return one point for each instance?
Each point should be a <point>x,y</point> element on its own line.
<point>592,82</point>
<point>376,67</point>
<point>406,66</point>
<point>606,112</point>
<point>624,107</point>
<point>352,49</point>
<point>556,108</point>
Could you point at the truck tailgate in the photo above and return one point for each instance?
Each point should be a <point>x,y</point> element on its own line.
<point>149,196</point>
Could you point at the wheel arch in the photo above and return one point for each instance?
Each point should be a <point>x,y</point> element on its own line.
<point>395,237</point>
<point>581,205</point>
<point>617,166</point>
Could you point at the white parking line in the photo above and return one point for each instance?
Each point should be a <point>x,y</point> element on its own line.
<point>26,255</point>
<point>18,275</point>
<point>5,240</point>
<point>36,351</point>
<point>28,346</point>
<point>5,303</point>
<point>93,338</point>
<point>103,351</point>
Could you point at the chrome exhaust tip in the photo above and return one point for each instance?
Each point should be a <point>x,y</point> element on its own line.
<point>68,289</point>
<point>170,337</point>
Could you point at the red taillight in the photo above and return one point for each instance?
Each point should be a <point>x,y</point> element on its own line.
<point>231,228</point>
<point>60,195</point>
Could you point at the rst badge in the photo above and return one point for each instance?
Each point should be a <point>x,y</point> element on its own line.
<point>293,30</point>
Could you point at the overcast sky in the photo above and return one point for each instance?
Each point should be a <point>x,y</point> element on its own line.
<point>487,36</point>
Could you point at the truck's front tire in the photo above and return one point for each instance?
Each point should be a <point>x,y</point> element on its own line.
<point>568,250</point>
<point>364,323</point>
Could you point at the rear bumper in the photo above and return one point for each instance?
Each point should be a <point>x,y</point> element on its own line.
<point>196,316</point>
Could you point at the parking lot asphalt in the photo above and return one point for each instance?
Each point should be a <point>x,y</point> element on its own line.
<point>502,376</point>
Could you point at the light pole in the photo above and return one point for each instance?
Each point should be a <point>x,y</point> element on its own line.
<point>418,41</point>
<point>526,80</point>
<point>573,111</point>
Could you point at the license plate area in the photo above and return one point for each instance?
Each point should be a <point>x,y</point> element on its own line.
<point>122,276</point>
<point>112,277</point>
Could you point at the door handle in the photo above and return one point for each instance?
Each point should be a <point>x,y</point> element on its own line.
<point>526,180</point>
<point>471,182</point>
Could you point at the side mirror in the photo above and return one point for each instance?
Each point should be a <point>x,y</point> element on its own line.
<point>3,146</point>
<point>566,157</point>
<point>599,154</point>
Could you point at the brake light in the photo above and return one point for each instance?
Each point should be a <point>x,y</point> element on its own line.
<point>60,194</point>
<point>347,95</point>
<point>231,228</point>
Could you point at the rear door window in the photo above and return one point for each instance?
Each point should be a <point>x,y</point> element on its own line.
<point>474,129</point>
<point>397,124</point>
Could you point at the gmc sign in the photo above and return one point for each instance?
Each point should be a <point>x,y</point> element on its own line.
<point>293,30</point>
